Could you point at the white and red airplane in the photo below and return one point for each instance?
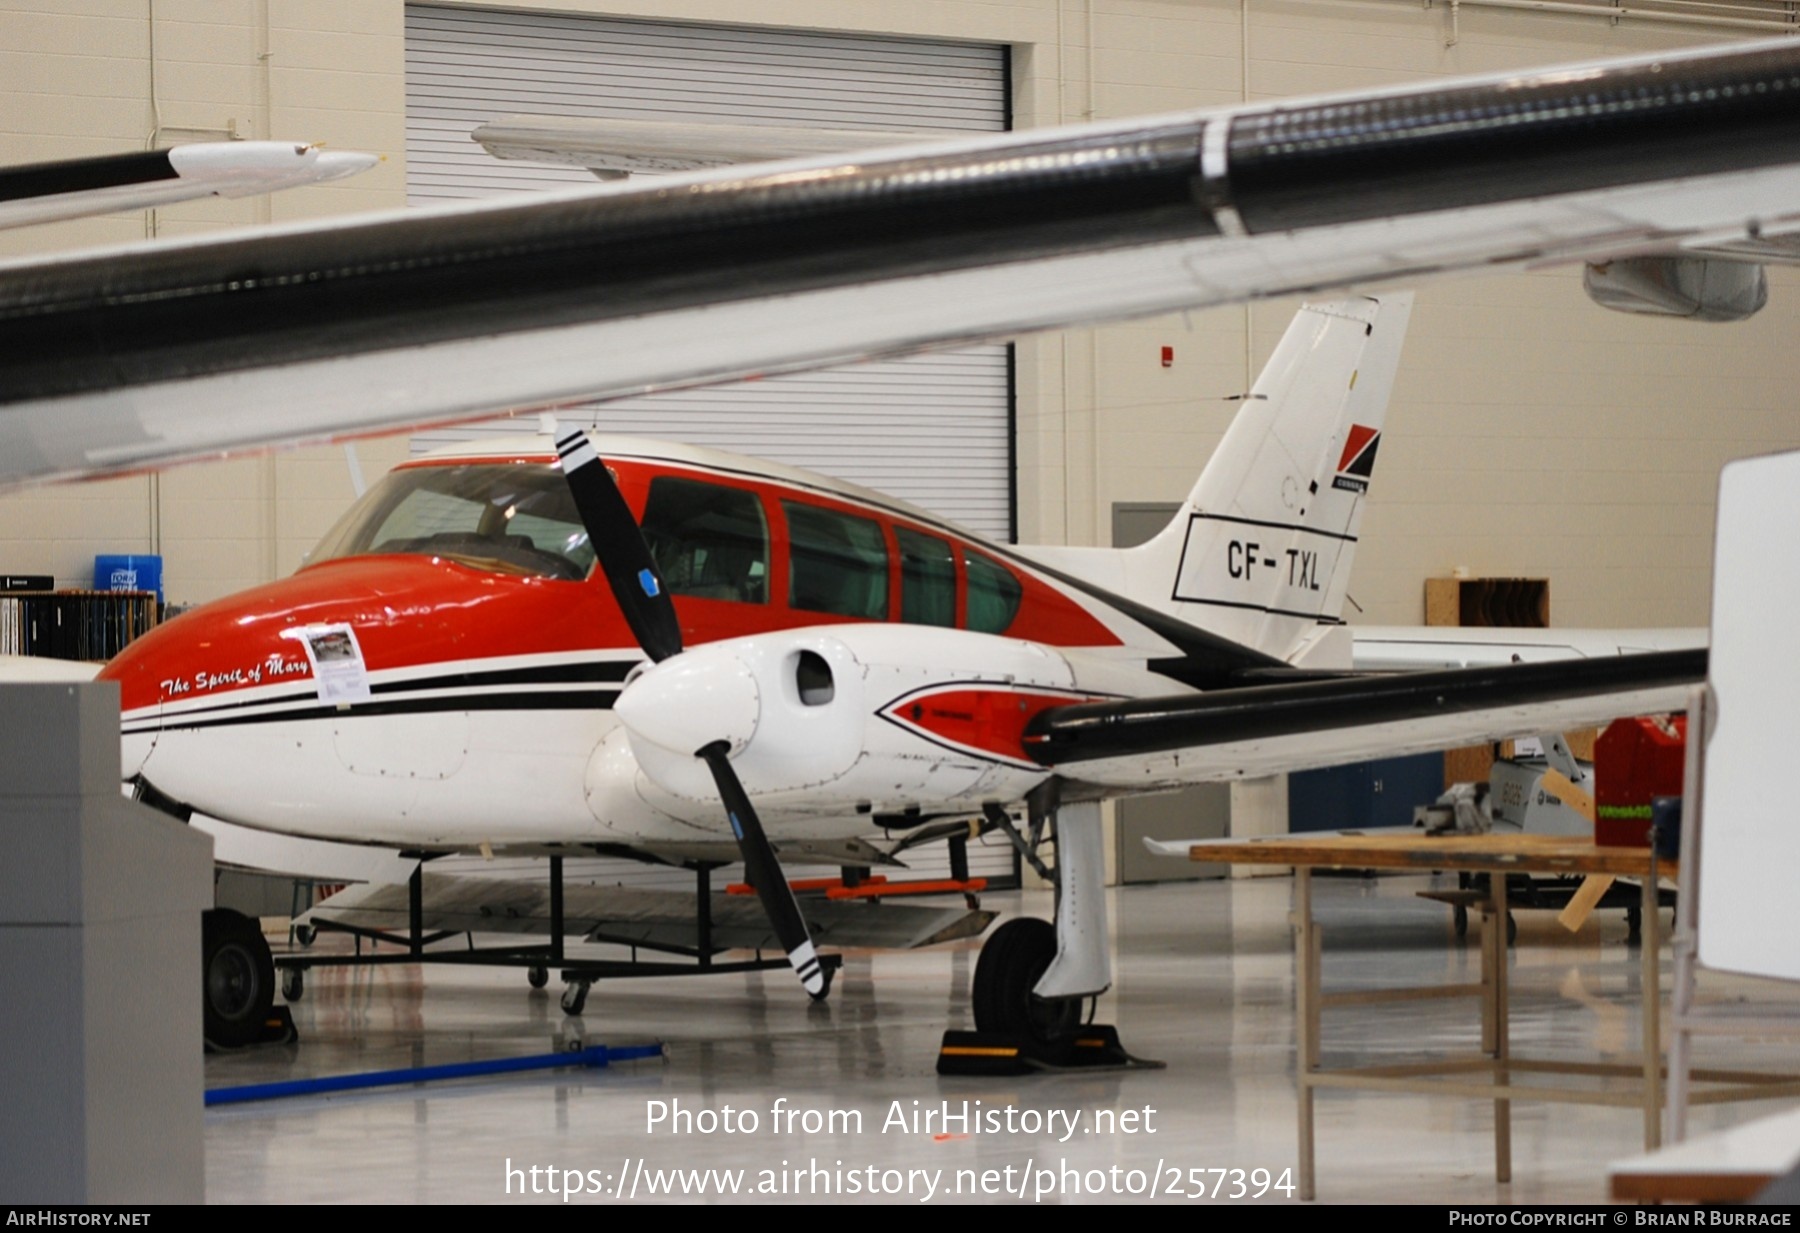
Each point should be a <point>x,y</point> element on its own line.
<point>624,645</point>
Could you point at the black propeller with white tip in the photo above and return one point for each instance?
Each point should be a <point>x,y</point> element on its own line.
<point>631,572</point>
<point>619,544</point>
<point>764,871</point>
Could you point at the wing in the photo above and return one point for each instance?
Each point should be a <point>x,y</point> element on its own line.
<point>1268,729</point>
<point>613,148</point>
<point>149,355</point>
<point>78,187</point>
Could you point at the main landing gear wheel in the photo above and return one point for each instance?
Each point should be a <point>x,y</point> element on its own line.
<point>238,978</point>
<point>1011,962</point>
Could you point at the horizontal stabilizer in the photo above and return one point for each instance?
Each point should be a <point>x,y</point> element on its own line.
<point>1412,648</point>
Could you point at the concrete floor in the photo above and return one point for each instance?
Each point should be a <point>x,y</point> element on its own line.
<point>1205,982</point>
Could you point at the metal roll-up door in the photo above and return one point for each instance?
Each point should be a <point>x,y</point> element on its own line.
<point>935,430</point>
<point>467,66</point>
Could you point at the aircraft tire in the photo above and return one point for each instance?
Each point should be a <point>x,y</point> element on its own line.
<point>237,978</point>
<point>1011,962</point>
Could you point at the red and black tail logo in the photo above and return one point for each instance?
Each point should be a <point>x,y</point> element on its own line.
<point>1358,462</point>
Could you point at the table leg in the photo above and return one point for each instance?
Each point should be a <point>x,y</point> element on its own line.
<point>1487,982</point>
<point>1651,946</point>
<point>1494,960</point>
<point>1306,1021</point>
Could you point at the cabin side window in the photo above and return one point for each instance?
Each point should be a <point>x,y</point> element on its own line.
<point>927,579</point>
<point>838,563</point>
<point>708,541</point>
<point>994,595</point>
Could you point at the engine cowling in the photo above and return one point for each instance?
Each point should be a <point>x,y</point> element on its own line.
<point>846,719</point>
<point>1697,288</point>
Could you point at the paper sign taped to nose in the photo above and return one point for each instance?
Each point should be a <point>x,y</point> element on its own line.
<point>336,659</point>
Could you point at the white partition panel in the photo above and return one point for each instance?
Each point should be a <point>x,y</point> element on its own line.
<point>1750,837</point>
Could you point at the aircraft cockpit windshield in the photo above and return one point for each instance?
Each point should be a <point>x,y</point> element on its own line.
<point>504,518</point>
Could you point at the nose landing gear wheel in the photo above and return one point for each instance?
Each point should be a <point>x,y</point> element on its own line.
<point>1012,960</point>
<point>237,978</point>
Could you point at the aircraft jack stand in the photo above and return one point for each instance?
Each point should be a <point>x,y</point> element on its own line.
<point>277,1029</point>
<point>1094,1047</point>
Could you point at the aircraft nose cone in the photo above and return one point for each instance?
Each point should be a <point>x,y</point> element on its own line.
<point>703,695</point>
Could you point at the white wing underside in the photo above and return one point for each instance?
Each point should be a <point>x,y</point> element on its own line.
<point>326,399</point>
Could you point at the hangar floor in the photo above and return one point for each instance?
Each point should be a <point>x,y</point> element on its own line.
<point>1205,982</point>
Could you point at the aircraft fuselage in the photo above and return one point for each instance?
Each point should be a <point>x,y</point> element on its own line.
<point>445,673</point>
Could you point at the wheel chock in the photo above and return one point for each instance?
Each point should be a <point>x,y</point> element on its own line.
<point>1094,1047</point>
<point>277,1029</point>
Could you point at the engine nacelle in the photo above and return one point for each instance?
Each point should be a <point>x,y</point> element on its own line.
<point>1698,288</point>
<point>846,719</point>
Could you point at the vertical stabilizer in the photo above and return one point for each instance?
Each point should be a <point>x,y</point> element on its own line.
<point>1261,550</point>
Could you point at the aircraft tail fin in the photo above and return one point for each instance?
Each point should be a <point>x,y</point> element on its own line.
<point>1260,552</point>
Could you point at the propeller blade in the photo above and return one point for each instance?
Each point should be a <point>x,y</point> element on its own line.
<point>619,543</point>
<point>765,871</point>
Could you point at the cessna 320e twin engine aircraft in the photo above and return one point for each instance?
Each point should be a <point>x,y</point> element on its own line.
<point>623,644</point>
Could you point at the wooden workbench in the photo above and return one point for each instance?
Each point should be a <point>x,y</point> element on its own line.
<point>1412,848</point>
<point>1493,1072</point>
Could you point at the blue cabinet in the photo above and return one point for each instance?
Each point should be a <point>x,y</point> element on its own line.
<point>1364,794</point>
